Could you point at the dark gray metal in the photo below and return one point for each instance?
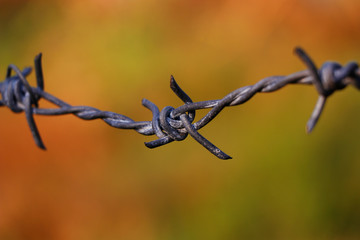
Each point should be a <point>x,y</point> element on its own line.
<point>172,124</point>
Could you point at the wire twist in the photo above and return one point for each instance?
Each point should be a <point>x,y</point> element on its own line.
<point>174,124</point>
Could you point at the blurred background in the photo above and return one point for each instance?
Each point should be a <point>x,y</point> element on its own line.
<point>98,182</point>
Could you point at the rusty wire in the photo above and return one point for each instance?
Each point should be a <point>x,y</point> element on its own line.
<point>174,124</point>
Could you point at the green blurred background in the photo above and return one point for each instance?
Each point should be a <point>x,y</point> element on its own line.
<point>97,182</point>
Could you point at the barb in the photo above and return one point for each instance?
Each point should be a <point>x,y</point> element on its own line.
<point>174,124</point>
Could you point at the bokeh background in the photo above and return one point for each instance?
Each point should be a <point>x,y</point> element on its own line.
<point>97,182</point>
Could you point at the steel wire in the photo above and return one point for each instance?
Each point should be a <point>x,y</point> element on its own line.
<point>174,124</point>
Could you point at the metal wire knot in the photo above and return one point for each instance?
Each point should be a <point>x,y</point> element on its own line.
<point>171,127</point>
<point>18,95</point>
<point>174,124</point>
<point>331,77</point>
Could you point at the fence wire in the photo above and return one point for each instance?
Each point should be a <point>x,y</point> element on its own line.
<point>174,124</point>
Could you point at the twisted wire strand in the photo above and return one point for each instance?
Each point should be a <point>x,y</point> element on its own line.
<point>174,124</point>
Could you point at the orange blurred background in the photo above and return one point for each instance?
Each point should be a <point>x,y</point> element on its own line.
<point>98,182</point>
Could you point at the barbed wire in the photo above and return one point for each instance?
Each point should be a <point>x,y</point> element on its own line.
<point>174,124</point>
